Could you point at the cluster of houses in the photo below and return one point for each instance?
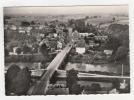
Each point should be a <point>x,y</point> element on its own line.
<point>42,31</point>
<point>91,45</point>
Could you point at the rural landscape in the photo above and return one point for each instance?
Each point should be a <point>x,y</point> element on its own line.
<point>72,50</point>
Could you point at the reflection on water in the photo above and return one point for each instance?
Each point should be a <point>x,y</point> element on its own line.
<point>111,68</point>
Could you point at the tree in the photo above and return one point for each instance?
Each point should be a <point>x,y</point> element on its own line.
<point>80,25</point>
<point>18,50</point>
<point>17,80</point>
<point>35,48</point>
<point>6,52</point>
<point>54,78</point>
<point>118,41</point>
<point>76,89</point>
<point>25,23</point>
<point>26,49</point>
<point>10,75</point>
<point>72,79</point>
<point>32,23</point>
<point>87,17</point>
<point>121,53</point>
<point>44,49</point>
<point>113,43</point>
<point>71,22</point>
<point>86,40</point>
<point>113,19</point>
<point>21,83</point>
<point>95,87</point>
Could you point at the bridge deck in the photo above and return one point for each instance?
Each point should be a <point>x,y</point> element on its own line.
<point>41,86</point>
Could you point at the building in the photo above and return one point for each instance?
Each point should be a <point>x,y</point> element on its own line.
<point>83,34</point>
<point>86,34</point>
<point>108,53</point>
<point>75,35</point>
<point>101,37</point>
<point>13,27</point>
<point>22,31</point>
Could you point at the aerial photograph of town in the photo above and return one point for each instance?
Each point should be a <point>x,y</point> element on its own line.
<point>66,50</point>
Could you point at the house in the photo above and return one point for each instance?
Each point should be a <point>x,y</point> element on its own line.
<point>42,35</point>
<point>41,27</point>
<point>91,34</point>
<point>13,27</point>
<point>80,50</point>
<point>28,29</point>
<point>103,38</point>
<point>83,34</point>
<point>22,31</point>
<point>55,35</point>
<point>108,52</point>
<point>59,45</point>
<point>75,35</point>
<point>87,34</point>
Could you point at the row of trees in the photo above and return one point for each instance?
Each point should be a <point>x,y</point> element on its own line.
<point>26,23</point>
<point>80,26</point>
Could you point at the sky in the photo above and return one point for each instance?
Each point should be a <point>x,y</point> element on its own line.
<point>66,10</point>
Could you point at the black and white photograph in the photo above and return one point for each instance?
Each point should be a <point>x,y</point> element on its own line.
<point>66,50</point>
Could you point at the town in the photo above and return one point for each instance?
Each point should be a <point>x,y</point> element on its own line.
<point>66,54</point>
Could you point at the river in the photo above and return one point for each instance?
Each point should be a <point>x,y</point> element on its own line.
<point>108,68</point>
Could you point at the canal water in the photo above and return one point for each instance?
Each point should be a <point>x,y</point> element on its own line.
<point>106,68</point>
<point>115,69</point>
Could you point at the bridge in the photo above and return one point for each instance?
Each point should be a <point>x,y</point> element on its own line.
<point>41,86</point>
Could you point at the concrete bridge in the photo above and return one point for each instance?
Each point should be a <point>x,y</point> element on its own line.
<point>45,75</point>
<point>41,86</point>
